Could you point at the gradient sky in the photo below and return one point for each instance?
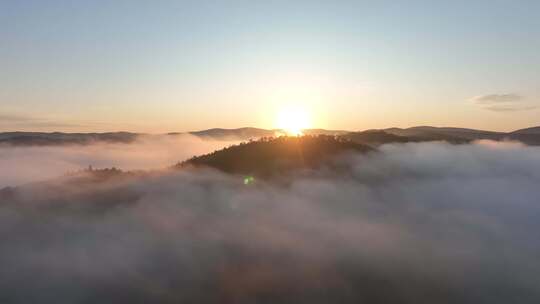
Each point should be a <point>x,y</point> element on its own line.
<point>159,66</point>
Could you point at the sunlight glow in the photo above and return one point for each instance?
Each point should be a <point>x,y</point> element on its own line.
<point>292,120</point>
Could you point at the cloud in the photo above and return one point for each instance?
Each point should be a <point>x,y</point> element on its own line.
<point>509,108</point>
<point>414,223</point>
<point>496,98</point>
<point>502,102</point>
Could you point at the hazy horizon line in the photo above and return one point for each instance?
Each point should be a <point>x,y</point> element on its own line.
<point>259,128</point>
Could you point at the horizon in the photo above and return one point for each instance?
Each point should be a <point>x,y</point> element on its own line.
<point>266,129</point>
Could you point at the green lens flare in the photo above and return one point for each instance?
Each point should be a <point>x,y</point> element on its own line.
<point>248,180</point>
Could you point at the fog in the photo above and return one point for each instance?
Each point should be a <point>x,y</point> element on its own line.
<point>23,164</point>
<point>411,223</point>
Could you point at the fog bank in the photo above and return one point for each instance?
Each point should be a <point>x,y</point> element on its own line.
<point>22,164</point>
<point>415,223</point>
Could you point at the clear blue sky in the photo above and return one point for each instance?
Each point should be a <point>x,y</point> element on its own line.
<point>158,66</point>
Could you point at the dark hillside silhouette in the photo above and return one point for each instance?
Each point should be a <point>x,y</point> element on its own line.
<point>377,137</point>
<point>374,137</point>
<point>59,138</point>
<point>232,134</point>
<point>269,156</point>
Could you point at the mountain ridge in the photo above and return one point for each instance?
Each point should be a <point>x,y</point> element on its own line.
<point>271,156</point>
<point>530,136</point>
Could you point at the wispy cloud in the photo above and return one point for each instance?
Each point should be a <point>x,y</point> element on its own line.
<point>497,98</point>
<point>510,108</point>
<point>508,102</point>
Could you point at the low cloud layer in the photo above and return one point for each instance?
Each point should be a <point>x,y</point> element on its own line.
<point>28,164</point>
<point>502,102</point>
<point>415,223</point>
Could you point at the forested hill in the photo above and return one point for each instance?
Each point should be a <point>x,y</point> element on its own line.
<point>269,156</point>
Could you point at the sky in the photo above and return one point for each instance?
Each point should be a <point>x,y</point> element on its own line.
<point>163,66</point>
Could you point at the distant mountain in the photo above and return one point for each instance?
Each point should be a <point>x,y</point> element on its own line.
<point>255,133</point>
<point>533,130</point>
<point>267,157</point>
<point>530,136</point>
<point>377,137</point>
<point>324,132</point>
<point>58,138</point>
<point>233,134</point>
<point>447,134</point>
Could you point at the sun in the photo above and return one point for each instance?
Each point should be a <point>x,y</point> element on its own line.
<point>292,120</point>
